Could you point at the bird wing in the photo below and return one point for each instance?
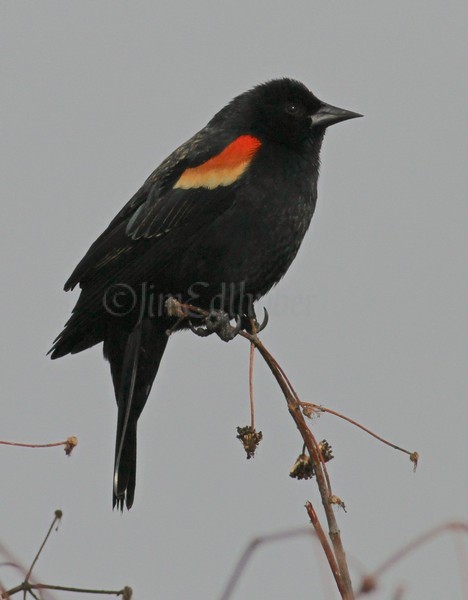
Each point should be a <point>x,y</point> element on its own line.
<point>192,186</point>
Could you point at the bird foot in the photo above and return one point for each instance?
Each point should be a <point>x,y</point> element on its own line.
<point>255,326</point>
<point>217,321</point>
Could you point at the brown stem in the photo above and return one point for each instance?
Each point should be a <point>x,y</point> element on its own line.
<point>25,586</point>
<point>51,445</point>
<point>356,424</point>
<point>294,407</point>
<point>370,580</point>
<point>325,545</point>
<point>57,517</point>
<point>251,388</point>
<point>252,546</point>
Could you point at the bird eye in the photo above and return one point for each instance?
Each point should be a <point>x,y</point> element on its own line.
<point>292,108</point>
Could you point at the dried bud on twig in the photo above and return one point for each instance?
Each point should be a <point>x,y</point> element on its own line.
<point>338,501</point>
<point>71,443</point>
<point>127,593</point>
<point>310,410</point>
<point>326,450</point>
<point>250,439</point>
<point>414,457</point>
<point>368,584</point>
<point>303,468</point>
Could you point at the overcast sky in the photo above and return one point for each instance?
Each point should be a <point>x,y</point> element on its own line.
<point>369,320</point>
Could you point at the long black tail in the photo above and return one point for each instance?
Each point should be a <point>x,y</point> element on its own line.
<point>134,358</point>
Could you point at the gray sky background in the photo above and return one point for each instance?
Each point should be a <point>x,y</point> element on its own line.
<point>369,320</point>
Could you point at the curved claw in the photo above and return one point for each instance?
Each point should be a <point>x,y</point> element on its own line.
<point>217,322</point>
<point>225,330</point>
<point>200,331</point>
<point>264,323</point>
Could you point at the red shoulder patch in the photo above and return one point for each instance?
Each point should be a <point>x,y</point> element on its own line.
<point>224,168</point>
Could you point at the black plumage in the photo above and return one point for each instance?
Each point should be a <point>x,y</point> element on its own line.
<point>217,224</point>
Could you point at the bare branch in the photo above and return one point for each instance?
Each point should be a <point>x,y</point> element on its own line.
<point>309,408</point>
<point>369,582</point>
<point>57,517</point>
<point>295,409</point>
<point>125,592</point>
<point>28,586</point>
<point>251,388</point>
<point>252,546</point>
<point>68,444</point>
<point>325,545</point>
<point>323,482</point>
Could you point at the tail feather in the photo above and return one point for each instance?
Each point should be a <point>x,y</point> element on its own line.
<point>134,358</point>
<point>125,467</point>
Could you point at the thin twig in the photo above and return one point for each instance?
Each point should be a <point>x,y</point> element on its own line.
<point>251,388</point>
<point>69,444</point>
<point>320,408</point>
<point>57,517</point>
<point>325,545</point>
<point>289,391</point>
<point>12,560</point>
<point>295,410</point>
<point>28,587</point>
<point>24,445</point>
<point>252,546</point>
<point>369,581</point>
<point>294,407</point>
<point>126,592</point>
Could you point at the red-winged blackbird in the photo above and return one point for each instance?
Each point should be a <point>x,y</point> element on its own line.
<point>216,225</point>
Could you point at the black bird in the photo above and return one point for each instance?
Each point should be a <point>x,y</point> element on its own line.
<point>216,225</point>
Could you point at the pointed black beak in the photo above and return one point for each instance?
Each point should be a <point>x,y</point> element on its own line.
<point>329,115</point>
